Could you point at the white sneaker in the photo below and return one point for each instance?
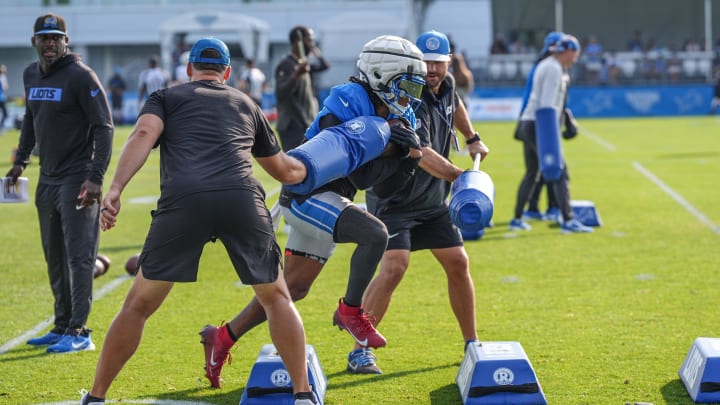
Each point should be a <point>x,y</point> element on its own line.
<point>574,226</point>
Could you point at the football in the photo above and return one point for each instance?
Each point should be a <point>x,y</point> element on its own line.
<point>131,265</point>
<point>102,264</point>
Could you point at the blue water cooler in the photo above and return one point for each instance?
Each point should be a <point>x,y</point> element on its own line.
<point>472,201</point>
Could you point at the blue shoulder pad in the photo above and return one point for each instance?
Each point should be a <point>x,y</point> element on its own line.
<point>345,101</point>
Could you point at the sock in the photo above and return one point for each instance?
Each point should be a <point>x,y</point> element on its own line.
<point>230,333</point>
<point>347,304</point>
<point>90,399</point>
<point>306,395</point>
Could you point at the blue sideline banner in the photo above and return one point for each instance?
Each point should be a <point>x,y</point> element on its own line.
<point>596,102</point>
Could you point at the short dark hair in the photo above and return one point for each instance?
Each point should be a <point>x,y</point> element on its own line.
<point>298,31</point>
<point>209,53</point>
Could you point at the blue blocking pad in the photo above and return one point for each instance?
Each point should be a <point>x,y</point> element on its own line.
<point>269,382</point>
<point>337,151</point>
<point>547,132</point>
<point>498,373</point>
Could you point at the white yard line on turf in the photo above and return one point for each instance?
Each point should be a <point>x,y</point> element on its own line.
<point>677,197</point>
<point>598,139</point>
<point>104,290</point>
<point>272,192</point>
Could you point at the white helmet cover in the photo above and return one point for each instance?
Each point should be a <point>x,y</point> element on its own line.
<point>388,58</point>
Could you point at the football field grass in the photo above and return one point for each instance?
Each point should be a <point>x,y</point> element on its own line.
<point>605,318</point>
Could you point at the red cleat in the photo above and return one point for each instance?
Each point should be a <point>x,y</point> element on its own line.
<point>358,325</point>
<point>217,344</point>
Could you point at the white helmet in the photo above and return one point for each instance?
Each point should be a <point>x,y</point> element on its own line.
<point>394,68</point>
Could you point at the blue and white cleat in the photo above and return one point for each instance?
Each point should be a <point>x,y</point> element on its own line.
<point>519,225</point>
<point>49,338</point>
<point>574,226</point>
<point>554,215</point>
<point>362,361</point>
<point>533,215</point>
<point>73,342</point>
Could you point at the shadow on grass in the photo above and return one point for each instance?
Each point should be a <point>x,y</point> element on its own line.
<point>24,353</point>
<point>446,395</point>
<point>203,394</point>
<point>674,392</point>
<point>387,376</point>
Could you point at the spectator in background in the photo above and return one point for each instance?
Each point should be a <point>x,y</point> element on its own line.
<point>655,60</point>
<point>464,80</point>
<point>181,75</point>
<point>498,46</point>
<point>252,81</point>
<point>635,44</point>
<point>151,79</point>
<point>610,70</point>
<point>117,88</point>
<point>674,65</point>
<point>715,103</point>
<point>297,103</point>
<point>692,45</point>
<point>3,96</point>
<point>593,59</point>
<point>519,46</point>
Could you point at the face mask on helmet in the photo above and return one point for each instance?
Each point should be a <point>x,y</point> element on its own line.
<point>402,92</point>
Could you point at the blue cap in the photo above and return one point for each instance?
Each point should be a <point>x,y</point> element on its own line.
<point>210,43</point>
<point>550,39</point>
<point>434,46</point>
<point>567,42</point>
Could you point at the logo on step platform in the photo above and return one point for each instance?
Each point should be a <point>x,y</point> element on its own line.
<point>503,376</point>
<point>280,378</point>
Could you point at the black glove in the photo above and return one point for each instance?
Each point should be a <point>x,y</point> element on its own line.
<point>401,134</point>
<point>571,129</point>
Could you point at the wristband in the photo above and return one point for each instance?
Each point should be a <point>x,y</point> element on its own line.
<point>475,138</point>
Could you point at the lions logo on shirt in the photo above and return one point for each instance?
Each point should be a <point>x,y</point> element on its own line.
<point>45,94</point>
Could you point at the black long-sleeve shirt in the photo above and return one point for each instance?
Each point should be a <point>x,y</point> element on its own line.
<point>68,116</point>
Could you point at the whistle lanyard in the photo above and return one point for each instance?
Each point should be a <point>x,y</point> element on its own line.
<point>443,113</point>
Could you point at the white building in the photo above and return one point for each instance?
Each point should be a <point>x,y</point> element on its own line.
<point>125,33</point>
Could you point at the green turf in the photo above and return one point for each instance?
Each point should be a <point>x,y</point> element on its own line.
<point>605,318</point>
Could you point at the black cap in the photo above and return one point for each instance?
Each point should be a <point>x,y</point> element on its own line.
<point>50,24</point>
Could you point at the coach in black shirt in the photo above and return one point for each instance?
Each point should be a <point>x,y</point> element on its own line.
<point>67,116</point>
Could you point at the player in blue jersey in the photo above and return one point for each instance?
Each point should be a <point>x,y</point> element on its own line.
<point>389,84</point>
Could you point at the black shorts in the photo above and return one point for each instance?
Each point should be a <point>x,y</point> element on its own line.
<point>238,217</point>
<point>430,232</point>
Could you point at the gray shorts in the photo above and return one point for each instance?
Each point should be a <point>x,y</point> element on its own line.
<point>312,224</point>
